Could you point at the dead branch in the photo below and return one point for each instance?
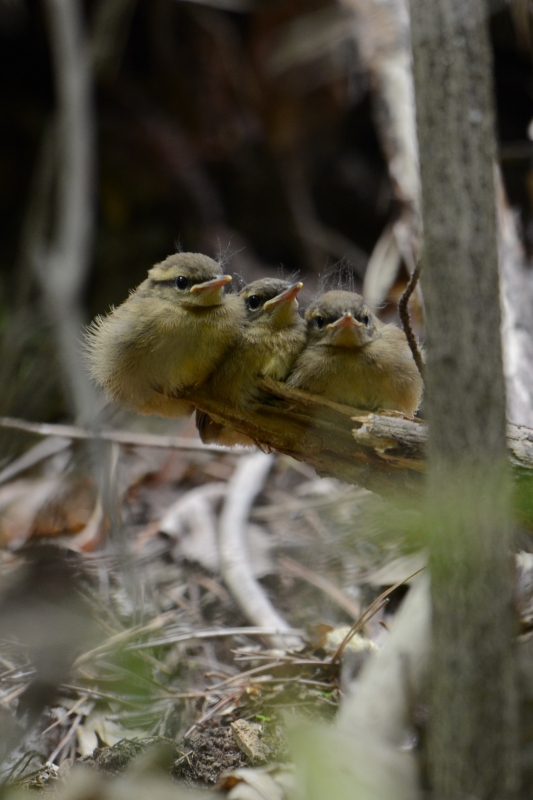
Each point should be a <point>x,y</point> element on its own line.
<point>74,432</point>
<point>246,483</point>
<point>381,452</point>
<point>61,264</point>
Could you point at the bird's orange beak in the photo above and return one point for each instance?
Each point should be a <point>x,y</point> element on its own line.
<point>346,321</point>
<point>284,297</point>
<point>346,331</point>
<point>215,283</point>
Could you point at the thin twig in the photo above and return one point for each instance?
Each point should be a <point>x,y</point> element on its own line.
<point>19,767</point>
<point>7,698</point>
<point>44,449</point>
<point>120,437</point>
<point>323,584</point>
<point>65,740</point>
<point>120,638</point>
<point>368,614</point>
<point>224,702</point>
<point>403,311</point>
<point>282,661</point>
<point>290,633</point>
<point>74,708</point>
<point>284,510</point>
<point>115,698</point>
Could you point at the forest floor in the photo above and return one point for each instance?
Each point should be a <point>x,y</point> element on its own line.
<point>161,651</point>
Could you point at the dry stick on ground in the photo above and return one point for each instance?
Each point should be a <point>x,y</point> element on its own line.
<point>66,739</point>
<point>337,595</point>
<point>244,486</point>
<point>174,638</point>
<point>367,615</point>
<point>61,437</point>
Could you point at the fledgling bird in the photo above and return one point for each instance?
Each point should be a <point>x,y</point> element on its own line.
<point>354,359</point>
<point>273,335</point>
<point>167,337</point>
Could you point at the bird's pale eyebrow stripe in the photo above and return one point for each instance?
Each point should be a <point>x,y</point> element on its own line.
<point>172,281</point>
<point>165,282</point>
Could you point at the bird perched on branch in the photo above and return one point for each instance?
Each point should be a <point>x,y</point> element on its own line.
<point>354,359</point>
<point>273,335</point>
<point>167,337</point>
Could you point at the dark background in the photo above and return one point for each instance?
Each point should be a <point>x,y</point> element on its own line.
<point>200,142</point>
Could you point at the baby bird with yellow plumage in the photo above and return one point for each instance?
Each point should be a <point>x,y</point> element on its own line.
<point>272,337</point>
<point>354,359</point>
<point>167,337</point>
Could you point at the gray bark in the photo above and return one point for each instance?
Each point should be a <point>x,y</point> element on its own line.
<point>472,737</point>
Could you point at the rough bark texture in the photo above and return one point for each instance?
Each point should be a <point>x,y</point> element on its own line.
<point>472,733</point>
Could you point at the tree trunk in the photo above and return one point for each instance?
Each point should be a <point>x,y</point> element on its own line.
<point>473,722</point>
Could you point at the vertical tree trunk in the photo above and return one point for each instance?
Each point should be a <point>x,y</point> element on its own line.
<point>472,736</point>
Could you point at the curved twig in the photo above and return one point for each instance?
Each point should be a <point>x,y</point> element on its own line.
<point>403,311</point>
<point>246,483</point>
<point>390,683</point>
<point>367,615</point>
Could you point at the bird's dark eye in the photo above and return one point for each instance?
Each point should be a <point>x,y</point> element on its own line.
<point>320,322</point>
<point>364,319</point>
<point>182,282</point>
<point>253,302</point>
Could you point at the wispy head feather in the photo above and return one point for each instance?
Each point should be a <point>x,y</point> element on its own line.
<point>224,254</point>
<point>339,276</point>
<point>291,277</point>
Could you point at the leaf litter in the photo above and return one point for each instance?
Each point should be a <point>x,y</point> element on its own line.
<point>165,654</point>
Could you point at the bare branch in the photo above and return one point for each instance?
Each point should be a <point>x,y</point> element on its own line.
<point>337,440</point>
<point>61,265</point>
<point>120,437</point>
<point>385,453</point>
